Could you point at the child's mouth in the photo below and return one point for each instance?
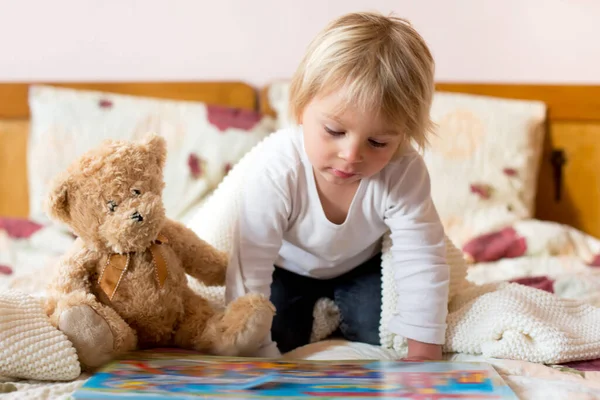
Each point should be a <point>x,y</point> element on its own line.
<point>342,174</point>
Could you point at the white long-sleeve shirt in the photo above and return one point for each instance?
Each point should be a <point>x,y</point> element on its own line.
<point>282,222</point>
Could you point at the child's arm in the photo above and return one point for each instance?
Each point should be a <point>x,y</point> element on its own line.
<point>419,351</point>
<point>419,257</point>
<point>262,216</point>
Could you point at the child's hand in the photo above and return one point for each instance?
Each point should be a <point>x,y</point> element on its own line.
<point>419,351</point>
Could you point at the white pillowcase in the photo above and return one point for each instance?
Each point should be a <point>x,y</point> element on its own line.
<point>203,140</point>
<point>278,94</point>
<point>483,161</point>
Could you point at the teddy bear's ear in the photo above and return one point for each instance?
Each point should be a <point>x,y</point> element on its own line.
<point>158,148</point>
<point>57,202</point>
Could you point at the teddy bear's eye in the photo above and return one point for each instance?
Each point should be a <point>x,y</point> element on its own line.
<point>112,206</point>
<point>136,192</point>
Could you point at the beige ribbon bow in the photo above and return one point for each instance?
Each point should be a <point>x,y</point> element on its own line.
<point>117,264</point>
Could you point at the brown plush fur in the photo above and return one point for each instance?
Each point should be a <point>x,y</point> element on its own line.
<point>96,197</point>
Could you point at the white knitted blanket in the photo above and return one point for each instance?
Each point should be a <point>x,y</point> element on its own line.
<point>495,320</point>
<point>30,347</point>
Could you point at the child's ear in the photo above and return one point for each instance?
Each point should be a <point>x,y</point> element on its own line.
<point>57,202</point>
<point>299,117</point>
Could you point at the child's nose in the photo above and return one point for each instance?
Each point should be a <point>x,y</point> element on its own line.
<point>351,153</point>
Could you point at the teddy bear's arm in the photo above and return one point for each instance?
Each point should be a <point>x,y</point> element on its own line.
<point>75,270</point>
<point>198,258</point>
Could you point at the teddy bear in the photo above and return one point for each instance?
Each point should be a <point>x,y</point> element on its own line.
<point>123,285</point>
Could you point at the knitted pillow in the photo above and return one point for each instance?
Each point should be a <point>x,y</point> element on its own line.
<point>30,347</point>
<point>203,140</point>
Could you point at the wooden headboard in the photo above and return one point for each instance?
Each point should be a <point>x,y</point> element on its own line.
<point>569,179</point>
<point>14,123</point>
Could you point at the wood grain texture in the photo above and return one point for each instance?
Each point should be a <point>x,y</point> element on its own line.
<point>565,102</point>
<point>14,96</point>
<point>579,203</point>
<point>14,200</point>
<point>14,123</point>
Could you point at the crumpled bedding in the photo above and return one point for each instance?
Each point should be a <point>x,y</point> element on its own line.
<point>552,256</point>
<point>545,255</point>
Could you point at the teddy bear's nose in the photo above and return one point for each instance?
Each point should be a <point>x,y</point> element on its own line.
<point>137,216</point>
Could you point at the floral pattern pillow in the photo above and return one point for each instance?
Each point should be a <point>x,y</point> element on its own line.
<point>483,160</point>
<point>203,140</point>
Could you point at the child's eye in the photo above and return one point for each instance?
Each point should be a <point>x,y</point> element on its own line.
<point>333,132</point>
<point>112,206</point>
<point>375,143</point>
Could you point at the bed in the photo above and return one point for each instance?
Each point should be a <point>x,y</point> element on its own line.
<point>558,221</point>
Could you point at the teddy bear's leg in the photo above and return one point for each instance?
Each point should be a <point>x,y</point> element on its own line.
<point>236,331</point>
<point>242,327</point>
<point>97,332</point>
<point>198,312</point>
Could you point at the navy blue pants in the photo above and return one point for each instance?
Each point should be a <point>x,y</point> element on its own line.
<point>356,293</point>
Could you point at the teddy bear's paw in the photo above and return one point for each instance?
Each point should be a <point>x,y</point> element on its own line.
<point>244,325</point>
<point>90,334</point>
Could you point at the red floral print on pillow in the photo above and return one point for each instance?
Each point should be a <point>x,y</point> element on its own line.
<point>18,228</point>
<point>509,171</point>
<point>505,243</point>
<point>538,282</point>
<point>226,117</point>
<point>5,270</point>
<point>105,103</point>
<point>196,166</point>
<point>482,190</point>
<point>595,261</point>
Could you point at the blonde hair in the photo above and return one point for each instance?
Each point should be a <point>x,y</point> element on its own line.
<point>382,64</point>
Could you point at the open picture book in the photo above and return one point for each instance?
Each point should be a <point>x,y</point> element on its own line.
<point>176,374</point>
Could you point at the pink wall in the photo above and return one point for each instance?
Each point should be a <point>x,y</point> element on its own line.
<point>261,40</point>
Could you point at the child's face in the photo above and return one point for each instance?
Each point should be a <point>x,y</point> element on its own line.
<point>346,147</point>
